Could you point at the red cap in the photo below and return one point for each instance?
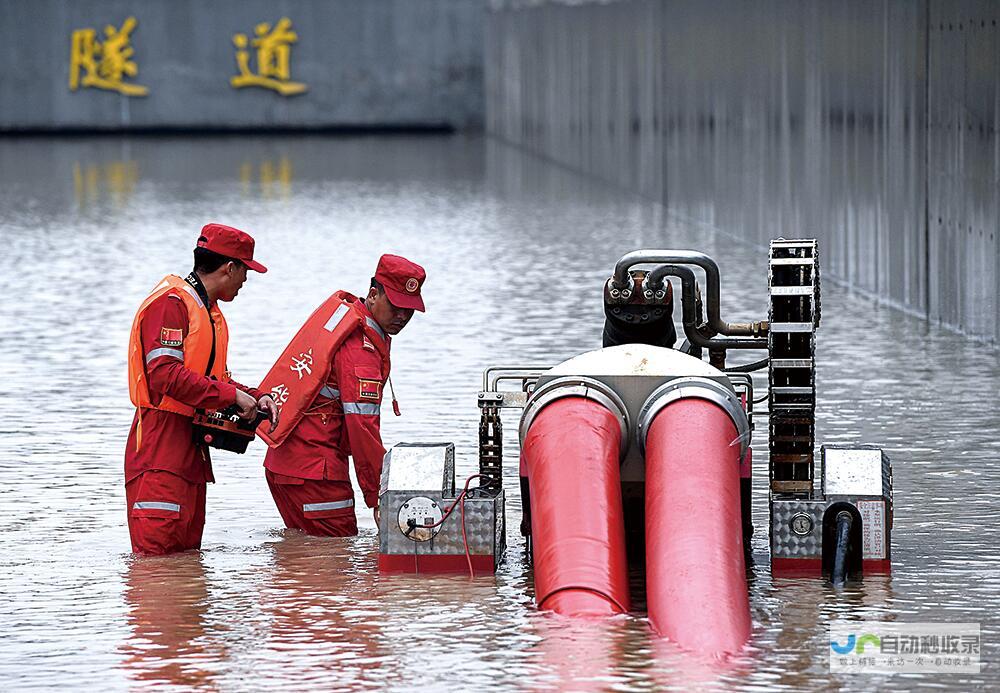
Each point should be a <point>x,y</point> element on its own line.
<point>233,243</point>
<point>401,280</point>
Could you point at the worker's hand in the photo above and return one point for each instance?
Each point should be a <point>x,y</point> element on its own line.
<point>266,404</point>
<point>246,404</point>
<point>375,512</point>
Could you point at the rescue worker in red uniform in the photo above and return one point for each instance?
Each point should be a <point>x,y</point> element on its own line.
<point>338,414</point>
<point>177,363</point>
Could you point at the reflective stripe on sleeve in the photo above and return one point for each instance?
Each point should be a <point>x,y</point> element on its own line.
<point>194,294</point>
<point>330,392</point>
<point>156,505</point>
<point>375,326</point>
<point>364,409</point>
<point>163,351</point>
<point>335,319</point>
<point>332,505</point>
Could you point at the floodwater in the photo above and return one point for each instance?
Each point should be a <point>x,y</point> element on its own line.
<point>516,252</point>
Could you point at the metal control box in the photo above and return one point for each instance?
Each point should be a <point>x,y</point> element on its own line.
<point>857,478</point>
<point>417,533</point>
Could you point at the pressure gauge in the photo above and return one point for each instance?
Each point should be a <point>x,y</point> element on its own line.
<point>419,518</point>
<point>801,524</point>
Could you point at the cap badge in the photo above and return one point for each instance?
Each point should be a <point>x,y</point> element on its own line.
<point>412,285</point>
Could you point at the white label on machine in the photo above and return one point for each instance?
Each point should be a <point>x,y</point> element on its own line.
<point>872,528</point>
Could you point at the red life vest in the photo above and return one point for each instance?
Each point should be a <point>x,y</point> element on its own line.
<point>303,367</point>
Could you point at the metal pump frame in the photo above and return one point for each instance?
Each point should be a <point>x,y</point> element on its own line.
<point>788,335</point>
<point>807,501</point>
<point>622,285</point>
<point>491,399</point>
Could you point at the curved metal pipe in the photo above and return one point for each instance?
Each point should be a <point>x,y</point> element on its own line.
<point>683,257</point>
<point>494,374</point>
<point>623,280</point>
<point>696,334</point>
<point>581,387</point>
<point>844,521</point>
<point>689,311</point>
<point>694,387</point>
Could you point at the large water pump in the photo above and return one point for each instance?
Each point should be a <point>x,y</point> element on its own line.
<point>637,457</point>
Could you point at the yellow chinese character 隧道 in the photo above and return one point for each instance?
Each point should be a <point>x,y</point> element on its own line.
<point>104,64</point>
<point>274,54</point>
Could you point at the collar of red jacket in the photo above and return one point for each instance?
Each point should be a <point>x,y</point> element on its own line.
<point>370,320</point>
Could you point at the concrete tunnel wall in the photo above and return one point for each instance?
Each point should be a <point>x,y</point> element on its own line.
<point>366,63</point>
<point>869,125</point>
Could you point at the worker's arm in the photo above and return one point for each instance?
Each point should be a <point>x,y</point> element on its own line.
<point>263,401</point>
<point>165,370</point>
<point>360,378</point>
<point>252,391</point>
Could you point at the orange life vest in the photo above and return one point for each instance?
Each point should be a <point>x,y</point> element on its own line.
<point>197,345</point>
<point>303,367</point>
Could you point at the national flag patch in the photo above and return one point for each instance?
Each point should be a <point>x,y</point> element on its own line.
<point>171,337</point>
<point>369,389</point>
<point>367,343</point>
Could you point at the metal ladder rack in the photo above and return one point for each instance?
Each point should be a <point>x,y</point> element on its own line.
<point>793,316</point>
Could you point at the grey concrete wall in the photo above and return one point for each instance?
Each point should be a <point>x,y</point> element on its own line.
<point>368,63</point>
<point>870,125</point>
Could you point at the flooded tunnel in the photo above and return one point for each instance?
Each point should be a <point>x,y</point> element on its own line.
<point>708,126</point>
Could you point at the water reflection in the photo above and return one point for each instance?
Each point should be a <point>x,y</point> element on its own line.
<point>115,180</point>
<point>578,654</point>
<point>672,668</point>
<point>266,177</point>
<point>306,609</point>
<point>168,601</point>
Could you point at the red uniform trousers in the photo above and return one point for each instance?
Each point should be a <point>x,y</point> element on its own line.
<point>318,507</point>
<point>165,513</point>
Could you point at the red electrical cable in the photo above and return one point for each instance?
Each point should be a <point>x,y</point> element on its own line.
<point>465,542</point>
<point>447,514</point>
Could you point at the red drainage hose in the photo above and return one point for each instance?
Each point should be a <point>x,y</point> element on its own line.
<point>695,577</point>
<point>572,452</point>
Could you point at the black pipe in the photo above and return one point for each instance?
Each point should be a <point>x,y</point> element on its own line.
<point>701,335</point>
<point>689,312</point>
<point>749,367</point>
<point>844,521</point>
<point>526,517</point>
<point>746,513</point>
<point>687,257</point>
<point>622,280</point>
